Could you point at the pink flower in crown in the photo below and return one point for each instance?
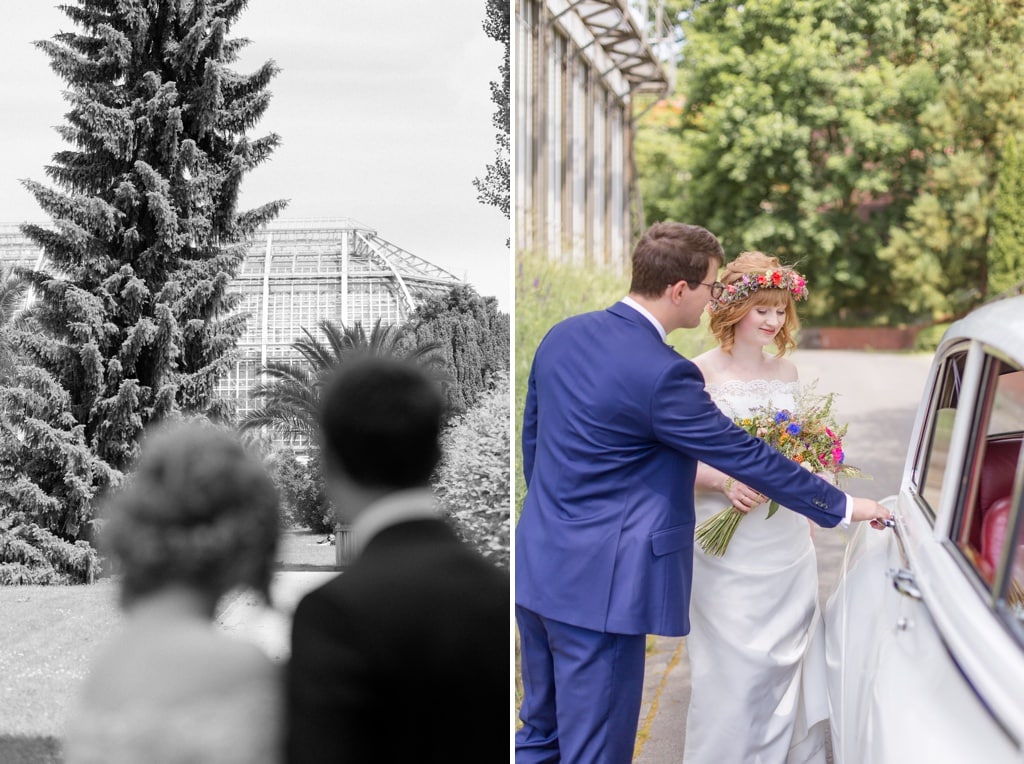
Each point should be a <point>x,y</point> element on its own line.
<point>776,278</point>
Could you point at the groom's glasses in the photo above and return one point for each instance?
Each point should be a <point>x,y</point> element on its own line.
<point>716,289</point>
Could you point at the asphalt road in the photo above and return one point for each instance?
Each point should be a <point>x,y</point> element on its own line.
<point>878,395</point>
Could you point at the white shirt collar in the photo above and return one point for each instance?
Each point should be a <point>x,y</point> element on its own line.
<point>646,314</point>
<point>397,507</point>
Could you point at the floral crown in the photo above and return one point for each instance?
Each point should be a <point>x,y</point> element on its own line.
<point>748,283</point>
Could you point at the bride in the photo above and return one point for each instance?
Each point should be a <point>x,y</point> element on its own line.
<point>198,518</point>
<point>756,645</point>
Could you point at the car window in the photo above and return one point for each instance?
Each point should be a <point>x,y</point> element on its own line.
<point>1008,410</point>
<point>933,458</point>
<point>983,511</point>
<point>1012,601</point>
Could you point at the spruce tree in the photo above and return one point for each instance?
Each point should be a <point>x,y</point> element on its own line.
<point>473,336</point>
<point>146,235</point>
<point>48,475</point>
<point>49,479</point>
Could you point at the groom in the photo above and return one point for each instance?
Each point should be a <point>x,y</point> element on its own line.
<point>404,656</point>
<point>614,426</point>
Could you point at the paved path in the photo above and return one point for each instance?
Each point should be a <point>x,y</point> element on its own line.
<point>878,395</point>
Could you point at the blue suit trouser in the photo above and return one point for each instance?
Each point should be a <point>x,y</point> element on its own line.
<point>582,692</point>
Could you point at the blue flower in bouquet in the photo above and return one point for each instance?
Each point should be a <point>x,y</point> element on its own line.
<point>782,416</point>
<point>793,429</point>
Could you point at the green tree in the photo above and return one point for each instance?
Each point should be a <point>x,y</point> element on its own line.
<point>146,235</point>
<point>940,259</point>
<point>495,186</point>
<point>1006,255</point>
<point>800,135</point>
<point>472,335</point>
<point>661,159</point>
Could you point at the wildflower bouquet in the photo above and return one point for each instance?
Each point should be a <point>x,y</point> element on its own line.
<point>809,436</point>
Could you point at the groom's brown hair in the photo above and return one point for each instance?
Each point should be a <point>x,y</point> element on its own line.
<point>670,252</point>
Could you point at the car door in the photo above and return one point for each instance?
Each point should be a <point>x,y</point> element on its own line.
<point>920,644</point>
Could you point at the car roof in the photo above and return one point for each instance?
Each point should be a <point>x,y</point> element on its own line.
<point>999,324</point>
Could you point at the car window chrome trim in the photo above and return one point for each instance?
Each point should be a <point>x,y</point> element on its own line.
<point>944,372</point>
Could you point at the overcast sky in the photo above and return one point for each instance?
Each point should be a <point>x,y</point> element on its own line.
<point>383,107</point>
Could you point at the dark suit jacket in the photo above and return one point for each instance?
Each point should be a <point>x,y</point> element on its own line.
<point>404,657</point>
<point>615,423</point>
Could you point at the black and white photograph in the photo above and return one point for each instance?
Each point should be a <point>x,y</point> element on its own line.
<point>255,315</point>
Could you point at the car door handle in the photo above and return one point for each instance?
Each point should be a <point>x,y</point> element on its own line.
<point>903,581</point>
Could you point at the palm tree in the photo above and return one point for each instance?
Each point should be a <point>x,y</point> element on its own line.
<point>291,395</point>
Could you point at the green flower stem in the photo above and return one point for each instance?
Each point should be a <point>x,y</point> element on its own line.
<point>715,533</point>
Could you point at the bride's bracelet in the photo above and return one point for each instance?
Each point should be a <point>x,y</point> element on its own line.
<point>728,485</point>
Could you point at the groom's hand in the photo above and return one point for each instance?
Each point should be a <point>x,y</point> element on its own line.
<point>870,511</point>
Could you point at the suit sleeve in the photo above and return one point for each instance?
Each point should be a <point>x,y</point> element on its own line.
<point>685,418</point>
<point>529,438</point>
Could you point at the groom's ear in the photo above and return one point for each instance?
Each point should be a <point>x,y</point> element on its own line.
<point>676,290</point>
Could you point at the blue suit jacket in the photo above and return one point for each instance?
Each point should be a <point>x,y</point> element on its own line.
<point>615,423</point>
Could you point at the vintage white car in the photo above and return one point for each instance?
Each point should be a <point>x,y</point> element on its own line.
<point>925,629</point>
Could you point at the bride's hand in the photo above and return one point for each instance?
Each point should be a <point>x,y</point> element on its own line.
<point>743,497</point>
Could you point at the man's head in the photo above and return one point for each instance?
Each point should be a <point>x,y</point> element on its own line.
<point>380,426</point>
<point>674,266</point>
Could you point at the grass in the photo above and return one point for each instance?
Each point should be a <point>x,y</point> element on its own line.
<point>300,549</point>
<point>49,635</point>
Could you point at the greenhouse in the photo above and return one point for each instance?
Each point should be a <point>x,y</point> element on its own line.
<point>296,274</point>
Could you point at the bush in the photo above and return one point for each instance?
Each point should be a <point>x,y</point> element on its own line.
<point>472,483</point>
<point>301,486</point>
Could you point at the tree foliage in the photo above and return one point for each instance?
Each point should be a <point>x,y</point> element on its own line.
<point>146,235</point>
<point>1006,255</point>
<point>473,480</point>
<point>801,134</point>
<point>303,496</point>
<point>290,397</point>
<point>494,188</point>
<point>48,475</point>
<point>940,258</point>
<point>473,337</point>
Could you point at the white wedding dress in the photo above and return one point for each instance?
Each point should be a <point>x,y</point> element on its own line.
<point>756,645</point>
